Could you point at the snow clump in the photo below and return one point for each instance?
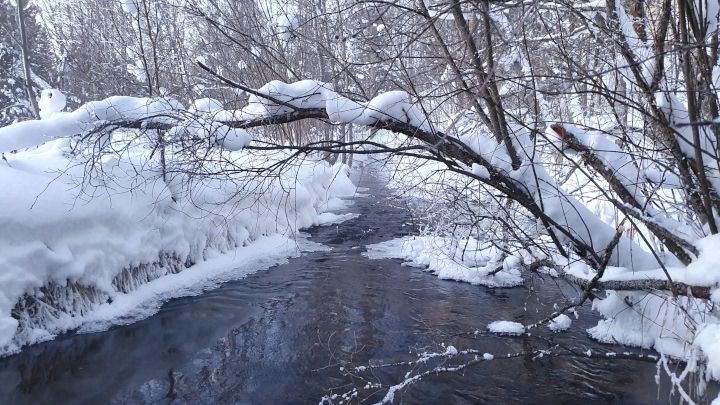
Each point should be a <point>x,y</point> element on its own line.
<point>129,6</point>
<point>560,323</point>
<point>52,101</point>
<point>506,328</point>
<point>286,26</point>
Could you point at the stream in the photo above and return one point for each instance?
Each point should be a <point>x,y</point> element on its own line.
<point>281,336</point>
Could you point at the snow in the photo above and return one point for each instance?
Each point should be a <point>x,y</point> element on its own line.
<point>506,328</point>
<point>52,101</point>
<point>480,171</point>
<point>656,319</point>
<point>342,109</point>
<point>647,320</point>
<point>708,340</point>
<point>302,94</point>
<point>205,106</point>
<point>560,206</point>
<point>705,271</point>
<point>641,52</point>
<point>677,114</point>
<point>560,323</point>
<point>390,395</point>
<point>618,161</point>
<point>129,6</point>
<point>286,26</point>
<point>650,320</point>
<point>197,121</point>
<point>451,350</point>
<point>237,263</point>
<point>477,266</point>
<point>117,230</point>
<point>659,321</point>
<point>715,295</point>
<point>62,125</point>
<point>331,218</point>
<point>312,94</point>
<point>87,246</point>
<point>585,225</point>
<point>630,172</point>
<point>490,150</point>
<point>233,139</point>
<point>137,71</point>
<point>205,116</point>
<point>711,10</point>
<point>395,105</point>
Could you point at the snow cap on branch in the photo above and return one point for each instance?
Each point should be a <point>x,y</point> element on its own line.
<point>52,101</point>
<point>278,98</point>
<point>205,106</point>
<point>286,25</point>
<point>113,109</point>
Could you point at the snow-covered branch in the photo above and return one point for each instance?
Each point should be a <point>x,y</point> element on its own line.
<point>277,102</point>
<point>618,169</point>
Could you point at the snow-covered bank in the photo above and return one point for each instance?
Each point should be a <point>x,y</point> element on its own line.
<point>681,327</point>
<point>80,244</point>
<point>676,327</point>
<point>234,264</point>
<point>449,260</point>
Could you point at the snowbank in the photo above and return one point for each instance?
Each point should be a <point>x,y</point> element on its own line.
<point>469,262</point>
<point>76,245</point>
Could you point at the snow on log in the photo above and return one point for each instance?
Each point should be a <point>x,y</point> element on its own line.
<point>609,157</point>
<point>62,125</point>
<point>698,279</point>
<point>278,98</point>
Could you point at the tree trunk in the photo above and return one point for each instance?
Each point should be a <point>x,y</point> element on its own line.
<point>25,50</point>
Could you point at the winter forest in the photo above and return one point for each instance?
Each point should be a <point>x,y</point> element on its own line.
<point>359,201</point>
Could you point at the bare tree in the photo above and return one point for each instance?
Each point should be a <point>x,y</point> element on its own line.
<point>569,131</point>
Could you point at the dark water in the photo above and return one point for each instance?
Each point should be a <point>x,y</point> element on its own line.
<point>282,335</point>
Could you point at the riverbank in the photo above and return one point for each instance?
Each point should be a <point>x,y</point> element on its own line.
<point>289,334</point>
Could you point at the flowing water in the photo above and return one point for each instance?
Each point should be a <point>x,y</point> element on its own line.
<point>283,335</point>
